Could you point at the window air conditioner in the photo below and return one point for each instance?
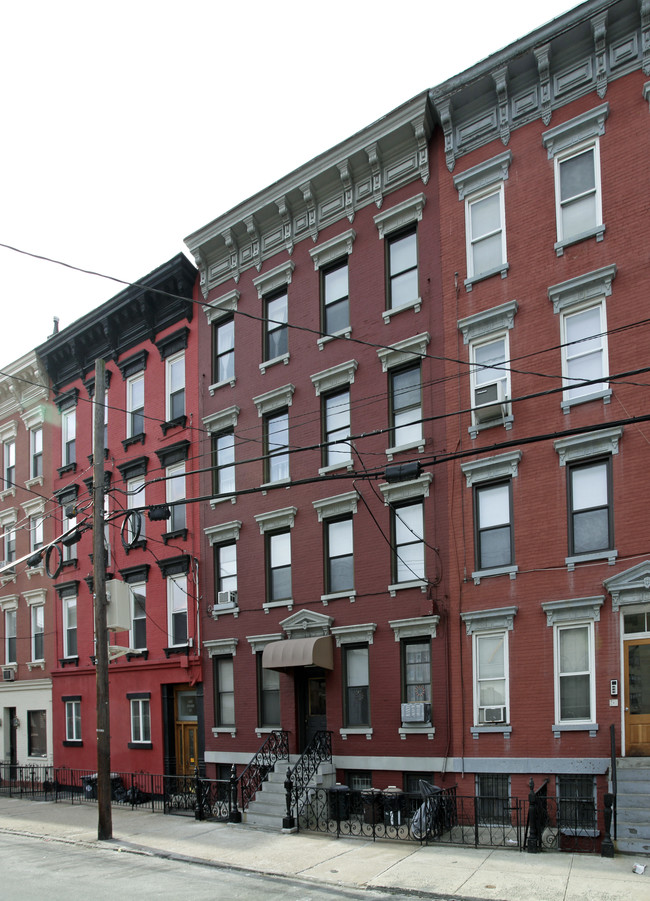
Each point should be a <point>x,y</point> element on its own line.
<point>226,597</point>
<point>494,714</point>
<point>416,713</point>
<point>489,402</point>
<point>8,675</point>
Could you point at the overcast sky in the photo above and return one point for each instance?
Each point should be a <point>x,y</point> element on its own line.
<point>128,125</point>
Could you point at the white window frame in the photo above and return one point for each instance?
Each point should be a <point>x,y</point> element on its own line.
<point>11,624</point>
<point>477,680</point>
<point>68,428</point>
<point>36,452</point>
<point>176,491</point>
<point>170,364</point>
<point>37,620</point>
<point>131,409</point>
<point>73,718</point>
<point>412,580</point>
<point>69,551</point>
<point>220,536</point>
<point>496,621</point>
<point>136,490</point>
<point>219,660</point>
<point>137,588</point>
<point>177,591</point>
<point>140,710</point>
<point>575,393</point>
<point>36,532</point>
<point>217,356</point>
<point>69,605</point>
<point>9,465</point>
<point>403,217</point>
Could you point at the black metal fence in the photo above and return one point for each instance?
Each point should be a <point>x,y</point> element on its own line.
<point>181,795</point>
<point>446,817</point>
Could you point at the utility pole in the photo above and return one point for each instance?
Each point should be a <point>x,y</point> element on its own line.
<point>105,820</point>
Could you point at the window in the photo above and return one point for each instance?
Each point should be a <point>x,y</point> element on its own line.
<point>10,545</point>
<point>35,532</point>
<point>69,627</point>
<point>359,780</point>
<point>584,352</point>
<point>176,492</point>
<point>175,375</point>
<point>407,523</point>
<point>575,687</point>
<point>268,682</point>
<point>68,522</point>
<point>490,379</point>
<point>225,567</point>
<point>10,636</point>
<point>223,463</point>
<point>36,450</point>
<point>73,720</point>
<point>9,463</point>
<point>36,734</point>
<point>223,351</point>
<point>335,298</point>
<point>339,557</point>
<point>406,406</point>
<point>38,632</point>
<point>276,330</point>
<point>416,672</point>
<point>138,637</point>
<point>402,264</point>
<point>574,148</point>
<point>336,429</point>
<point>68,428</point>
<point>140,720</point>
<point>224,691</point>
<point>276,447</point>
<point>591,526</point>
<point>494,539</point>
<point>135,497</point>
<point>177,607</point>
<point>486,234</point>
<point>135,405</point>
<point>356,701</point>
<point>493,799</point>
<point>490,678</point>
<point>278,551</point>
<point>576,803</point>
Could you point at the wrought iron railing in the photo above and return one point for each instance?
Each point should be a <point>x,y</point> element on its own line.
<point>274,748</point>
<point>317,751</point>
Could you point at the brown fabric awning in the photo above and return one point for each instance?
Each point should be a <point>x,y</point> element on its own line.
<point>299,652</point>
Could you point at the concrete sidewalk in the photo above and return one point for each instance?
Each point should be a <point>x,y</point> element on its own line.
<point>438,870</point>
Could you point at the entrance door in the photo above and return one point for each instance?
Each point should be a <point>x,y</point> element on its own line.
<point>312,709</point>
<point>637,697</point>
<point>187,732</point>
<point>13,744</point>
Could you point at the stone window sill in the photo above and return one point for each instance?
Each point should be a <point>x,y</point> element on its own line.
<point>400,586</point>
<point>270,605</point>
<point>490,730</point>
<point>336,595</point>
<point>366,730</point>
<point>597,232</point>
<point>427,730</point>
<point>497,571</point>
<point>224,730</point>
<point>414,305</point>
<point>501,270</point>
<point>344,464</point>
<point>610,556</point>
<point>605,396</point>
<point>341,333</point>
<point>559,728</point>
<point>284,358</point>
<point>222,384</point>
<point>400,448</point>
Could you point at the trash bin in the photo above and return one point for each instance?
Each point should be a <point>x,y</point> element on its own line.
<point>339,802</point>
<point>394,806</point>
<point>373,808</point>
<point>89,784</point>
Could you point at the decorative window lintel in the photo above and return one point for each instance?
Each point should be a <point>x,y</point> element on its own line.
<point>334,249</point>
<point>403,491</point>
<point>583,288</point>
<point>487,620</point>
<point>274,400</point>
<point>573,610</point>
<point>591,444</point>
<point>492,468</point>
<point>407,351</point>
<point>400,215</point>
<point>362,633</point>
<point>222,306</point>
<point>484,175</point>
<point>276,519</point>
<point>227,531</point>
<point>224,419</point>
<point>274,278</point>
<point>584,127</point>
<point>495,320</point>
<point>337,505</point>
<point>221,647</point>
<point>417,627</point>
<point>335,377</point>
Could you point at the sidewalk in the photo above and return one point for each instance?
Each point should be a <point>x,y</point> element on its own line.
<point>441,871</point>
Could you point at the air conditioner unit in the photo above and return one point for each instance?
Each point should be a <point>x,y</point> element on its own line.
<point>8,675</point>
<point>494,714</point>
<point>226,597</point>
<point>489,402</point>
<point>416,713</point>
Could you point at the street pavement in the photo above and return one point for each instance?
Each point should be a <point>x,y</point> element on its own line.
<point>353,863</point>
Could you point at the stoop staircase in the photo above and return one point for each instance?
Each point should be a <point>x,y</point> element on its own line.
<point>633,805</point>
<point>269,806</point>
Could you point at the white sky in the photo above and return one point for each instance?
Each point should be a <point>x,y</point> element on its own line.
<point>125,126</point>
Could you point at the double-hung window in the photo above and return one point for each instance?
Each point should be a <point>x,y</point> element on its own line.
<point>138,637</point>
<point>278,556</point>
<point>36,451</point>
<point>591,521</point>
<point>10,636</point>
<point>335,298</point>
<point>416,673</point>
<point>177,610</point>
<point>356,700</point>
<point>73,719</point>
<point>339,555</point>
<point>490,666</point>
<point>495,546</point>
<point>268,695</point>
<point>135,497</point>
<point>574,148</point>
<point>69,432</point>
<point>223,350</point>
<point>175,382</point>
<point>406,406</point>
<point>36,733</point>
<point>336,428</point>
<point>9,464</point>
<point>69,522</point>
<point>276,446</point>
<point>10,545</point>
<point>276,329</point>
<point>402,268</point>
<point>70,627</point>
<point>407,522</point>
<point>140,720</point>
<point>38,632</point>
<point>35,532</point>
<point>225,571</point>
<point>135,405</point>
<point>176,492</point>
<point>223,463</point>
<point>482,190</point>
<point>224,690</point>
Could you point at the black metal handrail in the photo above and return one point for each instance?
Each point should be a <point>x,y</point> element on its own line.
<point>274,748</point>
<point>317,751</point>
<point>612,742</point>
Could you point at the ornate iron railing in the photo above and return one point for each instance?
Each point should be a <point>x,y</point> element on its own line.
<point>276,747</point>
<point>317,751</point>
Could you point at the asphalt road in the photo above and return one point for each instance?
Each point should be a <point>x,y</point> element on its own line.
<point>33,869</point>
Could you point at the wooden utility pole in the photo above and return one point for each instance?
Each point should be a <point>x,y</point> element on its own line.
<point>105,821</point>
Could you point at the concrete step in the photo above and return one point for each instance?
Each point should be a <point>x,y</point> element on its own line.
<point>628,801</point>
<point>632,845</point>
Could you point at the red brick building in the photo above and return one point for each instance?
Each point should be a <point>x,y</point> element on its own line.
<point>461,286</point>
<point>146,336</point>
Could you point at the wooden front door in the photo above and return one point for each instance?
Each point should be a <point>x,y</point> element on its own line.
<point>187,731</point>
<point>311,706</point>
<point>637,697</point>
